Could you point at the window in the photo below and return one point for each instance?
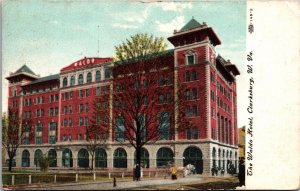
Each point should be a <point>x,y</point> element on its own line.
<point>117,88</point>
<point>98,91</point>
<point>160,98</point>
<point>195,110</point>
<point>80,79</point>
<point>86,121</point>
<point>168,80</point>
<point>70,121</point>
<point>65,110</point>
<point>52,140</point>
<point>56,97</point>
<point>81,107</point>
<point>194,75</point>
<point>72,81</point>
<point>64,138</point>
<point>70,109</point>
<point>145,83</point>
<point>213,112</point>
<point>79,136</point>
<point>56,111</point>
<point>39,127</point>
<point>65,82</point>
<point>188,94</point>
<point>164,125</point>
<point>188,133</point>
<point>86,107</point>
<point>188,111</point>
<point>168,97</point>
<point>195,133</point>
<point>103,89</point>
<point>71,95</point>
<point>190,58</point>
<point>120,129</point>
<point>136,85</point>
<point>160,81</point>
<point>106,73</point>
<point>38,140</point>
<point>123,104</point>
<point>136,102</point>
<point>81,93</point>
<point>212,94</point>
<point>89,77</point>
<point>65,122</point>
<point>117,104</point>
<point>86,92</point>
<point>195,94</point>
<point>145,100</point>
<point>98,76</point>
<point>69,137</point>
<point>26,128</point>
<point>26,141</point>
<point>52,126</point>
<point>80,121</point>
<point>187,76</point>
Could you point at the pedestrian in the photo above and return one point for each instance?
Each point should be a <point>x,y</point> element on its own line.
<point>242,172</point>
<point>213,171</point>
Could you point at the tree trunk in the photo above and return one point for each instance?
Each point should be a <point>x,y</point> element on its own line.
<point>10,164</point>
<point>138,161</point>
<point>92,165</point>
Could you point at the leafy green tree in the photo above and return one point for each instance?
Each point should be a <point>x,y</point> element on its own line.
<point>44,162</point>
<point>139,46</point>
<point>4,135</point>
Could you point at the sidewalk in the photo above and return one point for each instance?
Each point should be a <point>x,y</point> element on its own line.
<point>108,185</point>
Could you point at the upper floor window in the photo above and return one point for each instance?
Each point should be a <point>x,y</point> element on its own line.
<point>160,81</point>
<point>39,127</point>
<point>187,76</point>
<point>98,76</point>
<point>106,73</point>
<point>195,93</point>
<point>72,80</point>
<point>89,77</point>
<point>65,81</point>
<point>190,58</point>
<point>168,80</point>
<point>194,75</point>
<point>80,79</point>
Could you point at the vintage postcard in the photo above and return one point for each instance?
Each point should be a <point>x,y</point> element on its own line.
<point>150,95</point>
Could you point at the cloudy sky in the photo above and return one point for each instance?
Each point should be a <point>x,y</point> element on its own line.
<point>49,35</point>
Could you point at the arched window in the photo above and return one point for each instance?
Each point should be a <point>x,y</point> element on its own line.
<point>72,80</point>
<point>83,158</point>
<point>67,158</point>
<point>80,79</point>
<point>89,77</point>
<point>65,81</point>
<point>37,155</point>
<point>100,158</point>
<point>25,158</point>
<point>120,158</point>
<point>98,76</point>
<point>193,156</point>
<point>106,73</point>
<point>144,158</point>
<point>164,157</point>
<point>52,156</point>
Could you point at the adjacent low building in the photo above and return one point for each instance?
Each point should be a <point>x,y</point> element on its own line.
<point>59,107</point>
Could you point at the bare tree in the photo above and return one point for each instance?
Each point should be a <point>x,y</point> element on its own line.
<point>18,131</point>
<point>97,130</point>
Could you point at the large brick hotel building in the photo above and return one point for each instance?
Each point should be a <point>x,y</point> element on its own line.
<point>59,107</point>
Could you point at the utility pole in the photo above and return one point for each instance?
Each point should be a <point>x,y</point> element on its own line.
<point>98,54</point>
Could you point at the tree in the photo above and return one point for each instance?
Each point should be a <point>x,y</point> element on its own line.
<point>139,46</point>
<point>97,131</point>
<point>144,110</point>
<point>44,162</point>
<point>4,135</point>
<point>17,131</point>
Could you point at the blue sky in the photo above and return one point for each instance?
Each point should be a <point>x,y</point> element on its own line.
<point>49,35</point>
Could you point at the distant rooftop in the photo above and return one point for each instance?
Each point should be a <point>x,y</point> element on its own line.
<point>25,68</point>
<point>192,24</point>
<point>43,79</point>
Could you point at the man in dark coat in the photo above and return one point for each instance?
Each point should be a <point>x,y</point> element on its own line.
<point>242,172</point>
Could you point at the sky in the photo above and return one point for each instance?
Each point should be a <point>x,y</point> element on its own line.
<point>49,35</point>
